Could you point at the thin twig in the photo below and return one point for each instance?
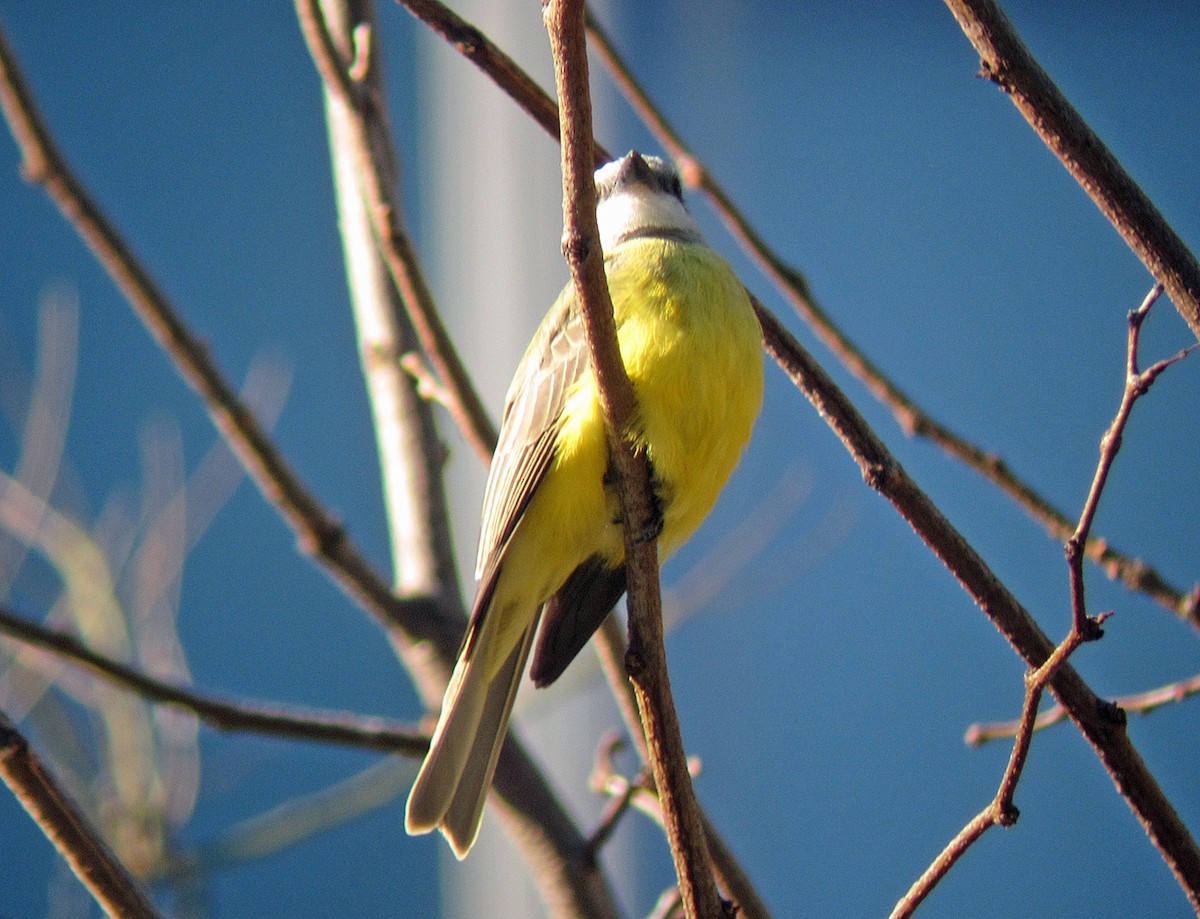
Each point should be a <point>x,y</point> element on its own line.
<point>602,780</point>
<point>646,661</point>
<point>1142,703</point>
<point>90,858</point>
<point>1001,811</point>
<point>913,420</point>
<point>1007,63</point>
<point>286,824</point>
<point>735,882</point>
<point>1101,724</point>
<point>277,721</point>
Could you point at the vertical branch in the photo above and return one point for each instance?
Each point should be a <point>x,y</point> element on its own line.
<point>405,432</point>
<point>350,68</point>
<point>114,889</point>
<point>646,657</point>
<point>737,885</point>
<point>340,35</point>
<point>1110,443</point>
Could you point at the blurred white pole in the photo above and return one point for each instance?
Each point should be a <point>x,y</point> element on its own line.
<point>491,220</point>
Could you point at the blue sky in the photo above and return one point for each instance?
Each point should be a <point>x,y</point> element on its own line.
<point>828,685</point>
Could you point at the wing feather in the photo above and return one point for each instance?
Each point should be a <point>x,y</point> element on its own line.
<point>554,361</point>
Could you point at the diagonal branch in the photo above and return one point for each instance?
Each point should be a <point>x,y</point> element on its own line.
<point>90,858</point>
<point>1100,723</point>
<point>319,534</point>
<point>913,420</point>
<point>481,51</point>
<point>272,720</point>
<point>1001,811</point>
<point>1007,63</point>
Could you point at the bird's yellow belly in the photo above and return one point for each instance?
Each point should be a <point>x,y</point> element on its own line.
<point>691,346</point>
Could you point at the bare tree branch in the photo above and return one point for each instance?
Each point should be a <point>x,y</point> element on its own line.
<point>278,721</point>
<point>1001,811</point>
<point>1101,724</point>
<point>118,894</point>
<point>366,144</point>
<point>1142,703</point>
<point>1007,63</point>
<point>646,658</point>
<point>406,436</point>
<point>913,420</point>
<point>319,534</point>
<point>611,646</point>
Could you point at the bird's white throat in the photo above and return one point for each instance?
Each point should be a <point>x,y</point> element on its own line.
<point>642,211</point>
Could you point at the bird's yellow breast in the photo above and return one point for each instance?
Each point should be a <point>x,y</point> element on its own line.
<point>692,348</point>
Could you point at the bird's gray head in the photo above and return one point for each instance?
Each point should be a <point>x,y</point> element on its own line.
<point>641,196</point>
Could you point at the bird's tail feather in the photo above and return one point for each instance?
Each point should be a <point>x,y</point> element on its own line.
<point>451,788</point>
<point>461,823</point>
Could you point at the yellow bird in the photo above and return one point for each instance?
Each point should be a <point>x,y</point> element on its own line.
<point>551,544</point>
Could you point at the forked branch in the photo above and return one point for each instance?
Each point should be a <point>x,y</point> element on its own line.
<point>1001,811</point>
<point>1100,723</point>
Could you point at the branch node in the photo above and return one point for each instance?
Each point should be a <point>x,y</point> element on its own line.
<point>576,249</point>
<point>1111,713</point>
<point>35,170</point>
<point>360,66</point>
<point>467,40</point>
<point>635,664</point>
<point>1093,627</point>
<point>1007,814</point>
<point>324,539</point>
<point>992,74</point>
<point>877,474</point>
<point>1190,607</point>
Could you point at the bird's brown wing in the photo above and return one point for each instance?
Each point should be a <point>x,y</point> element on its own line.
<point>554,360</point>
